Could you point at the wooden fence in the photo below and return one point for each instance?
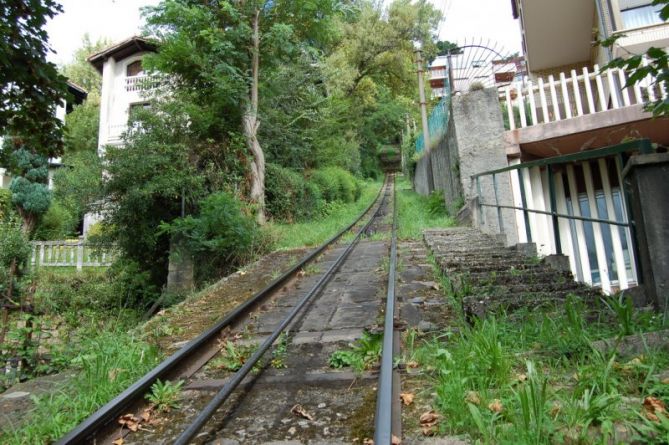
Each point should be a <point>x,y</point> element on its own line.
<point>77,254</point>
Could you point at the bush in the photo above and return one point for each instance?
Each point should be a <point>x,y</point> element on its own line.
<point>284,192</point>
<point>223,234</point>
<point>6,206</point>
<point>337,184</point>
<point>57,223</point>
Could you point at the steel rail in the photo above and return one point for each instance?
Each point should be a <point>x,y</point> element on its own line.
<point>383,419</point>
<point>114,408</point>
<point>211,408</point>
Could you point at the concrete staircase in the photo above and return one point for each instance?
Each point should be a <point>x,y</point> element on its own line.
<point>489,277</point>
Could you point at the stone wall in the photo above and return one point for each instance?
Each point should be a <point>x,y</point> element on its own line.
<point>474,144</point>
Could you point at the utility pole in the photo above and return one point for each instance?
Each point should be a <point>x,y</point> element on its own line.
<point>423,103</point>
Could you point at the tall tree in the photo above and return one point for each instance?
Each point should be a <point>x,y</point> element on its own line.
<point>30,86</point>
<point>82,73</point>
<point>218,50</point>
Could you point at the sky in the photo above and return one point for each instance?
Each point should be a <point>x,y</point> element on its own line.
<point>119,19</point>
<point>115,19</point>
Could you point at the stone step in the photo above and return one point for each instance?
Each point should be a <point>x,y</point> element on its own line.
<point>482,306</point>
<point>539,275</point>
<point>516,289</point>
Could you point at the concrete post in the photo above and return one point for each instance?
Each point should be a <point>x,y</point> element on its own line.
<point>80,254</point>
<point>181,271</point>
<point>646,179</point>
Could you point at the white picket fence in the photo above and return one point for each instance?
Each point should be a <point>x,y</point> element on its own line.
<point>575,95</point>
<point>64,253</point>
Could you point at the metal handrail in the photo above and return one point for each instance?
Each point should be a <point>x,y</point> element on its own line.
<point>643,146</point>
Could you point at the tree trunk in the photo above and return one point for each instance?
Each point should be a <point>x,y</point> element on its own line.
<point>250,127</point>
<point>8,300</point>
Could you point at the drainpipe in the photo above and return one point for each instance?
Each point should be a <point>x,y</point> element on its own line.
<point>603,28</point>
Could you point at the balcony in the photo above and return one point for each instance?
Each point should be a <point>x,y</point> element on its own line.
<point>574,95</point>
<point>638,40</point>
<point>143,82</point>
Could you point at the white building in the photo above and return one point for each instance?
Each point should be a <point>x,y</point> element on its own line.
<point>124,84</point>
<point>78,95</point>
<point>124,88</point>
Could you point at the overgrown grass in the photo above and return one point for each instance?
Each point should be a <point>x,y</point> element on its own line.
<point>317,231</point>
<point>417,213</point>
<point>107,363</point>
<point>536,378</point>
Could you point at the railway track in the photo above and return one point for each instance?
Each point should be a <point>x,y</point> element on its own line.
<point>284,389</point>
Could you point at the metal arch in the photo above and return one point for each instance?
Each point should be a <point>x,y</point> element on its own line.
<point>461,66</point>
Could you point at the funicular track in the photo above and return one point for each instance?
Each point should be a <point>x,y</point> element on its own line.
<point>311,315</point>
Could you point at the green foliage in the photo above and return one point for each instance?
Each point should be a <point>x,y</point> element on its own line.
<point>82,73</point>
<point>233,356</point>
<point>623,308</point>
<point>82,126</point>
<point>164,396</point>
<point>415,212</point>
<point>533,396</point>
<point>14,246</point>
<point>435,203</point>
<point>30,87</point>
<point>6,207</point>
<point>30,192</point>
<point>107,362</point>
<point>148,178</point>
<point>57,223</point>
<point>657,66</point>
<point>334,217</point>
<point>223,232</point>
<point>336,184</point>
<point>363,354</point>
<point>77,184</point>
<point>289,197</point>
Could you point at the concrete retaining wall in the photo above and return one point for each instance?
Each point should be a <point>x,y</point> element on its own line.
<point>474,144</point>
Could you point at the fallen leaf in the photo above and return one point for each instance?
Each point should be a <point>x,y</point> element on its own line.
<point>555,409</point>
<point>396,440</point>
<point>473,398</point>
<point>412,364</point>
<point>301,412</point>
<point>301,273</point>
<point>653,407</point>
<point>495,406</point>
<point>118,441</point>
<point>129,421</point>
<point>146,415</point>
<point>665,381</point>
<point>520,378</point>
<point>242,272</point>
<point>367,442</point>
<point>407,398</point>
<point>429,418</point>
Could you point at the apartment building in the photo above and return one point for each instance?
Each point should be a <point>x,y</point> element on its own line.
<point>572,123</point>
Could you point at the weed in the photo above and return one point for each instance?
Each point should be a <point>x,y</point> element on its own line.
<point>533,396</point>
<point>364,353</point>
<point>165,395</point>
<point>280,351</point>
<point>312,269</point>
<point>622,308</point>
<point>233,356</point>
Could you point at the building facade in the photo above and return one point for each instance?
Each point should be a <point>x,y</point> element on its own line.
<point>568,105</point>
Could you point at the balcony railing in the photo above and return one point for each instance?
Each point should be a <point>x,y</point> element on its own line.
<point>574,95</point>
<point>143,82</point>
<point>441,73</point>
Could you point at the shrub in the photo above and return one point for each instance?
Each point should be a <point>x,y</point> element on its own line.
<point>6,207</point>
<point>285,192</point>
<point>337,184</point>
<point>57,223</point>
<point>223,233</point>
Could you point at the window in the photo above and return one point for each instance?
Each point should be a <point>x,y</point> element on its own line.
<point>639,13</point>
<point>134,69</point>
